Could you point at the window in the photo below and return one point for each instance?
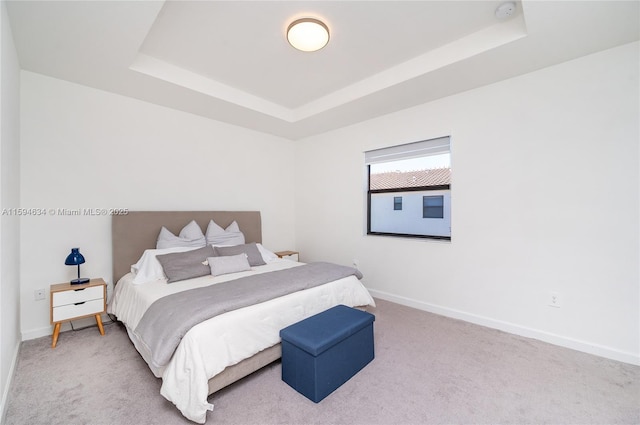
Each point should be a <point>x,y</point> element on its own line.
<point>416,178</point>
<point>433,207</point>
<point>397,203</point>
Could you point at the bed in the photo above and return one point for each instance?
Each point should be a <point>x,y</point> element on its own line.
<point>227,347</point>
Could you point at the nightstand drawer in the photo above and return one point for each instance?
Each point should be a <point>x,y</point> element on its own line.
<point>69,311</point>
<point>76,296</point>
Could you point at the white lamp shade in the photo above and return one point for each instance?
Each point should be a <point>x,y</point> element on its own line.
<point>308,34</point>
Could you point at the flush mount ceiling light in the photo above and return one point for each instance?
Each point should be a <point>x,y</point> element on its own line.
<point>308,34</point>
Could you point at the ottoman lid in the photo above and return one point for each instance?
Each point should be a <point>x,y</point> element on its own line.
<point>318,333</point>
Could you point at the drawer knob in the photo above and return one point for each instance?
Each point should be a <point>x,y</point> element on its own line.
<point>79,303</point>
<point>81,289</point>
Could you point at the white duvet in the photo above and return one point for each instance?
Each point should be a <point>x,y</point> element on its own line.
<point>208,348</point>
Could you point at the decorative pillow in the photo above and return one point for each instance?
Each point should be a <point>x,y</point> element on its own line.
<point>148,269</point>
<point>228,264</point>
<point>186,265</point>
<point>216,235</point>
<point>190,235</point>
<point>253,254</point>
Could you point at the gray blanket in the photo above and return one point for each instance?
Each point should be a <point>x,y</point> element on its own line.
<point>169,318</point>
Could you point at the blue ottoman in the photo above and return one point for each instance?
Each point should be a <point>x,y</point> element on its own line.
<point>323,351</point>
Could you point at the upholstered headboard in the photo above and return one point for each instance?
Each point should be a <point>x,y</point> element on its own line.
<point>131,234</point>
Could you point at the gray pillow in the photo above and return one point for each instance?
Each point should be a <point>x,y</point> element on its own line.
<point>186,265</point>
<point>251,249</point>
<point>229,264</point>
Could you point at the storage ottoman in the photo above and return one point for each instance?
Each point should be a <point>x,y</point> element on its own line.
<point>323,351</point>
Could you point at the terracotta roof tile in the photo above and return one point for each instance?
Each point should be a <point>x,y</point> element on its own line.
<point>417,178</point>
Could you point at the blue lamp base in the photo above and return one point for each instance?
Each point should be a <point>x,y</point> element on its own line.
<point>80,281</point>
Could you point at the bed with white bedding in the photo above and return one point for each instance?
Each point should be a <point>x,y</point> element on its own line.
<point>228,346</point>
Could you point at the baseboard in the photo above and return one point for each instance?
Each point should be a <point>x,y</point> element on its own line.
<point>7,387</point>
<point>37,333</point>
<point>560,340</point>
<point>66,326</point>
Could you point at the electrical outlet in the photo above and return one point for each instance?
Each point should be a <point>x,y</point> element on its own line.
<point>39,294</point>
<point>555,300</point>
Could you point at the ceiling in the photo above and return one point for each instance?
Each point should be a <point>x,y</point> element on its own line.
<point>230,61</point>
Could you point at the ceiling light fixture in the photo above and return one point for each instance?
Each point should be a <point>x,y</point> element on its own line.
<point>308,34</point>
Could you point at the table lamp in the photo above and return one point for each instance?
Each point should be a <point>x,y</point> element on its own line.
<point>75,259</point>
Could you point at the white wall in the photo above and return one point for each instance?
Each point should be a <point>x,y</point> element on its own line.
<point>84,148</point>
<point>545,192</point>
<point>9,198</point>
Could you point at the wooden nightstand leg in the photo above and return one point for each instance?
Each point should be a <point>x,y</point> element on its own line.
<point>99,322</point>
<point>56,332</point>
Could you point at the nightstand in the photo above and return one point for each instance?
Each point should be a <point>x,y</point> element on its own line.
<point>71,302</point>
<point>289,255</point>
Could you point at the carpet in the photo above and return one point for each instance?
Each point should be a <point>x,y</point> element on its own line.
<point>428,369</point>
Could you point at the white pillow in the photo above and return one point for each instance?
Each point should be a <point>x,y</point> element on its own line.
<point>216,235</point>
<point>228,264</point>
<point>148,268</point>
<point>267,255</point>
<point>191,236</point>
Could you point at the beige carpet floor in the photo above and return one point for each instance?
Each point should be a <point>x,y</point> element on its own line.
<point>428,370</point>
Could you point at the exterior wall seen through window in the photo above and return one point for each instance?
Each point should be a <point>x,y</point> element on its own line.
<point>410,220</point>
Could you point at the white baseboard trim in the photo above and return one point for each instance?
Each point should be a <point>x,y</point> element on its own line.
<point>37,333</point>
<point>563,341</point>
<point>66,326</point>
<point>7,387</point>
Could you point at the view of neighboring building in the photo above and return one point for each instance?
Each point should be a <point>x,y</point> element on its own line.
<point>414,203</point>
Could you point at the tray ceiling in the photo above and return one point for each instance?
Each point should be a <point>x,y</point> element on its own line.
<point>230,61</point>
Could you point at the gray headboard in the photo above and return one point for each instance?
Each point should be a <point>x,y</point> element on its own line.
<point>131,234</point>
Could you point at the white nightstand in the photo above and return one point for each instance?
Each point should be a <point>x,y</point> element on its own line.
<point>289,255</point>
<point>71,302</point>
